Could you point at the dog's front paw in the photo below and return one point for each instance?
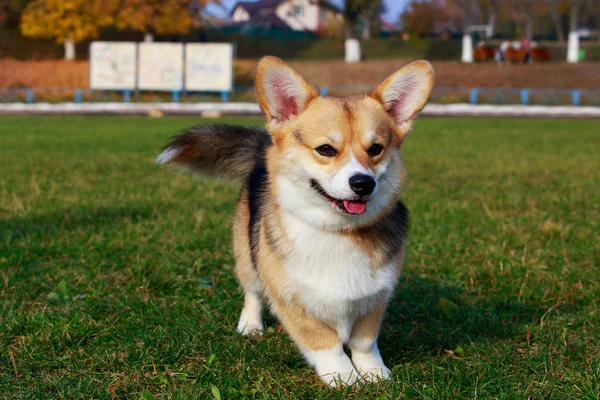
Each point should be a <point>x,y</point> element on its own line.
<point>376,374</point>
<point>370,366</point>
<point>340,379</point>
<point>247,330</point>
<point>250,326</point>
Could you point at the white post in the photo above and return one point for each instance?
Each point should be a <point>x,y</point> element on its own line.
<point>148,37</point>
<point>352,50</point>
<point>69,49</point>
<point>573,49</point>
<point>467,48</point>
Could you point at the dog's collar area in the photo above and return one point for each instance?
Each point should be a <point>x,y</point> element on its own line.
<point>350,207</point>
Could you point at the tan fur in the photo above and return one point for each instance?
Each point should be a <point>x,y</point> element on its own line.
<point>367,325</point>
<point>350,125</point>
<point>244,270</point>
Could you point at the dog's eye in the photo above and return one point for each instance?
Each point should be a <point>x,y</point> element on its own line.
<point>326,150</point>
<point>375,150</point>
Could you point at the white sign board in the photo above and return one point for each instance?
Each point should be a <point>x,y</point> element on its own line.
<point>160,66</point>
<point>209,67</point>
<point>112,65</point>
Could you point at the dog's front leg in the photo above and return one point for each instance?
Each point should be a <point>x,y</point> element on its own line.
<point>363,344</point>
<point>319,343</point>
<point>332,365</point>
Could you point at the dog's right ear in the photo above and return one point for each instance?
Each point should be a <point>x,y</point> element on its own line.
<point>282,93</point>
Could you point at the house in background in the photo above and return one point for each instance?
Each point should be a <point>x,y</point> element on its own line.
<point>299,15</point>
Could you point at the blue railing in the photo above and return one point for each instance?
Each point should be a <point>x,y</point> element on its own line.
<point>482,95</point>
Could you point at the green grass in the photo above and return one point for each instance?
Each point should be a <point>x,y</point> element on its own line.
<point>116,275</point>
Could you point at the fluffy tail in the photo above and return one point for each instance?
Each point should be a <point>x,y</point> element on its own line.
<point>222,150</point>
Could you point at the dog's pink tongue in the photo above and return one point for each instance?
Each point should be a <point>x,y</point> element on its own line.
<point>355,207</point>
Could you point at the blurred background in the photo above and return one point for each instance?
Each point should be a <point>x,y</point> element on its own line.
<point>484,51</point>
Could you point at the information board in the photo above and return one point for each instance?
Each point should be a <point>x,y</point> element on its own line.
<point>112,65</point>
<point>209,67</point>
<point>160,66</point>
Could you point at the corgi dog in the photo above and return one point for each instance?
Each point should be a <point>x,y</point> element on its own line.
<point>319,231</point>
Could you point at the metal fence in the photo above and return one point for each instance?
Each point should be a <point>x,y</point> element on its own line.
<point>440,95</point>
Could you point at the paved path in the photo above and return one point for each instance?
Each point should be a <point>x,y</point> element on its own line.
<point>218,109</point>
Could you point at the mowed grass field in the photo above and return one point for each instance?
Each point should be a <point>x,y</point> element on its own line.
<point>116,275</point>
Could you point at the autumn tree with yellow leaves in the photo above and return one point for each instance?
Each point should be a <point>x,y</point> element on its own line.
<point>72,21</point>
<point>66,21</point>
<point>161,17</point>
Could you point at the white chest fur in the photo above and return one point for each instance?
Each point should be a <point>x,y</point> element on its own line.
<point>332,277</point>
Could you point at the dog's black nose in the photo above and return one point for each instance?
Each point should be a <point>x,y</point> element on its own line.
<point>362,184</point>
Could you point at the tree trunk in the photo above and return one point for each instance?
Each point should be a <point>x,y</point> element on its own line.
<point>350,27</point>
<point>489,32</point>
<point>467,40</point>
<point>573,47</point>
<point>352,44</point>
<point>69,49</point>
<point>528,28</point>
<point>148,37</point>
<point>366,32</point>
<point>557,23</point>
<point>467,48</point>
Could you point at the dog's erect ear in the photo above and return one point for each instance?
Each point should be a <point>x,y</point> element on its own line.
<point>404,94</point>
<point>282,93</point>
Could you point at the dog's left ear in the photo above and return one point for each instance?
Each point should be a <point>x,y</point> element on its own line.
<point>405,93</point>
<point>282,93</point>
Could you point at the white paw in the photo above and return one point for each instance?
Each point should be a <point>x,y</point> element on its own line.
<point>340,379</point>
<point>251,319</point>
<point>333,366</point>
<point>247,328</point>
<point>369,364</point>
<point>375,374</point>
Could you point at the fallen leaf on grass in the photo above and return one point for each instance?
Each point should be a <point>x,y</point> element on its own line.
<point>215,392</point>
<point>448,307</point>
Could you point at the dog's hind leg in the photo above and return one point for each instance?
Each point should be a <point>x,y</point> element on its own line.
<point>251,319</point>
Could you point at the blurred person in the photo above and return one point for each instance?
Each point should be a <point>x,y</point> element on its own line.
<point>526,48</point>
<point>501,54</point>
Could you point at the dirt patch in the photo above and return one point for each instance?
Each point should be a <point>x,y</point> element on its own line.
<point>455,74</point>
<point>64,74</point>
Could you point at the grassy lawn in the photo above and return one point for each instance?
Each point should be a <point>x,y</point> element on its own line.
<point>116,276</point>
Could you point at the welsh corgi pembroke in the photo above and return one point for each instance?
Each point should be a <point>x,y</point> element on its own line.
<point>319,230</point>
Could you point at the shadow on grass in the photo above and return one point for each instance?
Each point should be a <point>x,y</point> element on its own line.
<point>416,325</point>
<point>69,220</point>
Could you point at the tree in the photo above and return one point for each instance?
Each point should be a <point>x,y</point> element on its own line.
<point>355,11</point>
<point>10,12</point>
<point>66,21</point>
<point>421,17</point>
<point>559,8</point>
<point>162,17</point>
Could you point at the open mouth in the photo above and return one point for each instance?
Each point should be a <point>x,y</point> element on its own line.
<point>353,207</point>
